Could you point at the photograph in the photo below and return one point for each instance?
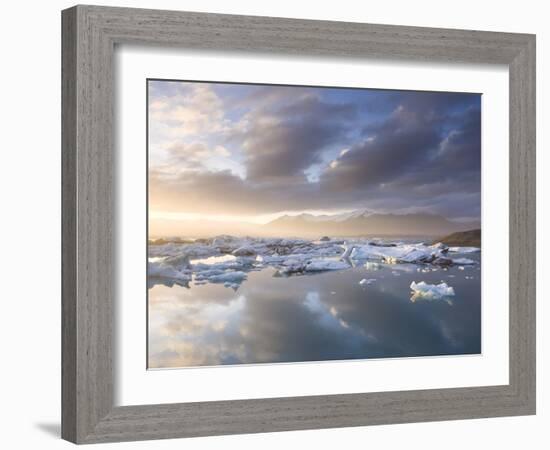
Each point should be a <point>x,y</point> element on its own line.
<point>267,225</point>
<point>299,223</point>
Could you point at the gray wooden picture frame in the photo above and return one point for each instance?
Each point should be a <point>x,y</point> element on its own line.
<point>90,34</point>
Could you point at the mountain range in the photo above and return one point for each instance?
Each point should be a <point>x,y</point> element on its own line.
<point>353,223</point>
<point>364,223</point>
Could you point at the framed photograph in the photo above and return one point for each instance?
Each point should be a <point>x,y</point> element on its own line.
<point>278,224</point>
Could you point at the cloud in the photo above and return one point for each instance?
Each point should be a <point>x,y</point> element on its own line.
<point>223,192</point>
<point>183,115</point>
<point>264,149</point>
<point>415,156</point>
<point>398,145</point>
<point>213,325</point>
<point>193,155</point>
<point>282,142</point>
<point>190,111</point>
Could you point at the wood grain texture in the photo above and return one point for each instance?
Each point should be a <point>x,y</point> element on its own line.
<point>89,36</point>
<point>68,226</point>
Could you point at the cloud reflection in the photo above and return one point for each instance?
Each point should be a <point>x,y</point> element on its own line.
<point>327,317</point>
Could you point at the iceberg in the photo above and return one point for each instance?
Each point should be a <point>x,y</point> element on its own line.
<point>464,249</point>
<point>406,253</point>
<point>245,250</point>
<point>227,259</point>
<point>425,291</point>
<point>463,261</point>
<point>321,265</point>
<point>163,271</point>
<point>233,277</point>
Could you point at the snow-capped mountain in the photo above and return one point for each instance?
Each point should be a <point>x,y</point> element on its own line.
<point>365,222</point>
<point>361,222</point>
<point>305,217</point>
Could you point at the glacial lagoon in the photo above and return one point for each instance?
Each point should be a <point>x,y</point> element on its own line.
<point>249,301</point>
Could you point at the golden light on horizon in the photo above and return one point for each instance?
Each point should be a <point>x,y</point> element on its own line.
<point>252,218</point>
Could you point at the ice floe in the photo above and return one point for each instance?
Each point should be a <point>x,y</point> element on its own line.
<point>464,261</point>
<point>464,249</point>
<point>321,265</point>
<point>245,250</point>
<point>228,259</point>
<point>425,291</point>
<point>160,270</point>
<point>405,253</point>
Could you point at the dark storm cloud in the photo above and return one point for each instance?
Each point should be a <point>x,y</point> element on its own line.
<point>282,143</point>
<point>402,151</point>
<point>425,149</point>
<point>393,148</point>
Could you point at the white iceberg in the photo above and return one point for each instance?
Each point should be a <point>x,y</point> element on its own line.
<point>245,250</point>
<point>407,253</point>
<point>464,249</point>
<point>348,251</point>
<point>232,277</point>
<point>464,261</point>
<point>179,261</point>
<point>321,265</point>
<point>161,270</point>
<point>440,246</point>
<point>292,265</point>
<point>225,259</point>
<point>423,290</point>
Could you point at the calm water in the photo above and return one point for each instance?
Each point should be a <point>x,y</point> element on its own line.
<point>327,316</point>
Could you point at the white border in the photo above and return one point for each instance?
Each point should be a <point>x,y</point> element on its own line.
<point>135,385</point>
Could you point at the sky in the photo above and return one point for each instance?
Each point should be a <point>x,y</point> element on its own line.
<point>253,152</point>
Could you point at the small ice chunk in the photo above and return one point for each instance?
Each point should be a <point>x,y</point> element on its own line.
<point>440,246</point>
<point>162,270</point>
<point>464,249</point>
<point>233,277</point>
<point>292,265</point>
<point>460,267</point>
<point>366,281</point>
<point>179,262</point>
<point>349,250</point>
<point>423,290</point>
<point>463,261</point>
<point>442,261</point>
<point>320,265</point>
<point>245,250</point>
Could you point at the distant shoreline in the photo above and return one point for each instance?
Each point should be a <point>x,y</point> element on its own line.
<point>470,238</point>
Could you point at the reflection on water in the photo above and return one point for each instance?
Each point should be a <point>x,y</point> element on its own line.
<point>327,316</point>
